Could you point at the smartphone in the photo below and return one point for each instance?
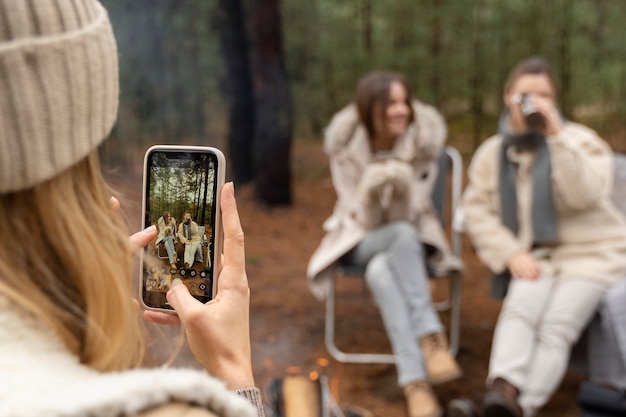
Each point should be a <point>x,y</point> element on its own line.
<point>181,194</point>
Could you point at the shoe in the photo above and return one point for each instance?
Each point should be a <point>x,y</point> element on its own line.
<point>501,400</point>
<point>440,364</point>
<point>355,411</point>
<point>421,401</point>
<point>462,407</point>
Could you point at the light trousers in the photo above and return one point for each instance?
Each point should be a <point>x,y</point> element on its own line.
<point>537,327</point>
<point>168,242</point>
<point>396,275</point>
<point>193,251</point>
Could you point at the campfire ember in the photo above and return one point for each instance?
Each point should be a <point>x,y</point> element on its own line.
<point>293,370</point>
<point>323,362</point>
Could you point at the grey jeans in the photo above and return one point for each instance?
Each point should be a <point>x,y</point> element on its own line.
<point>395,273</point>
<point>168,241</point>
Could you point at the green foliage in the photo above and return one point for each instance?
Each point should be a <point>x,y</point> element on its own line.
<point>181,189</point>
<point>456,55</point>
<point>453,50</point>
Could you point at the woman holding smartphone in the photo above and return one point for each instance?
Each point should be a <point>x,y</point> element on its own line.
<point>71,336</point>
<point>384,149</point>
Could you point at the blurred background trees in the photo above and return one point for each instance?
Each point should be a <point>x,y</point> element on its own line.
<point>183,69</point>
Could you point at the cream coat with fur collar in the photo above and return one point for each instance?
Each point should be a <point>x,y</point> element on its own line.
<point>351,163</point>
<point>40,378</point>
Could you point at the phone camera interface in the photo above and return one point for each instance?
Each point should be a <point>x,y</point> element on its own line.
<point>180,192</point>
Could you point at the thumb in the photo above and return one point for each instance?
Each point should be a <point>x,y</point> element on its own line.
<point>142,238</point>
<point>180,299</point>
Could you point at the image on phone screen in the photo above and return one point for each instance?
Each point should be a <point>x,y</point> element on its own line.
<point>181,190</point>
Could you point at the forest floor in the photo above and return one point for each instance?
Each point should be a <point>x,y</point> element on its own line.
<point>287,322</point>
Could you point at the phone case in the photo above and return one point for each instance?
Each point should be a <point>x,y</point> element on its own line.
<point>181,189</point>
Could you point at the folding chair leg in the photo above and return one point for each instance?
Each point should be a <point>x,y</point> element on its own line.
<point>454,302</point>
<point>337,353</point>
<point>455,312</point>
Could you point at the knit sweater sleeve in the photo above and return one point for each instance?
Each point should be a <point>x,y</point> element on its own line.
<point>253,394</point>
<point>580,157</point>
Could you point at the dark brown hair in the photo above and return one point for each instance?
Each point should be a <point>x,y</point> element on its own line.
<point>532,65</point>
<point>372,90</point>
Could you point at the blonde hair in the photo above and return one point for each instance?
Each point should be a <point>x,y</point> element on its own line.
<point>65,258</point>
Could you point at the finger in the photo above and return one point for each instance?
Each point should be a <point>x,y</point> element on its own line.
<point>234,252</point>
<point>161,318</point>
<point>528,273</point>
<point>534,274</point>
<point>115,203</point>
<point>181,300</point>
<point>521,268</point>
<point>142,238</point>
<point>526,269</point>
<point>531,271</point>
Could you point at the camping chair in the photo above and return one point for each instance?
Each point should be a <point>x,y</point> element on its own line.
<point>450,172</point>
<point>162,251</point>
<point>600,353</point>
<point>208,242</point>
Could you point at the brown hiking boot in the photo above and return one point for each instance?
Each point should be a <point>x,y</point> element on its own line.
<point>440,364</point>
<point>421,400</point>
<point>501,400</point>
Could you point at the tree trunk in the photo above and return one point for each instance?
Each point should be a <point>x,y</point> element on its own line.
<point>366,19</point>
<point>476,81</point>
<point>565,59</point>
<point>597,38</point>
<point>235,49</point>
<point>504,50</point>
<point>436,52</point>
<point>273,118</point>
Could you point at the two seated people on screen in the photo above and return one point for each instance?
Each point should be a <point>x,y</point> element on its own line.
<point>189,234</point>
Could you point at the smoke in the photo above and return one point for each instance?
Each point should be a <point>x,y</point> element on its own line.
<point>170,72</point>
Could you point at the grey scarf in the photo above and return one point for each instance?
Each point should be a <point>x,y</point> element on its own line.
<point>543,212</point>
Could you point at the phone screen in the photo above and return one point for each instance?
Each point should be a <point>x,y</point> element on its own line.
<point>181,200</point>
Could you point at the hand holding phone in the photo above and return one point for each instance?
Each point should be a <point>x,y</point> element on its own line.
<point>181,197</point>
<point>218,331</point>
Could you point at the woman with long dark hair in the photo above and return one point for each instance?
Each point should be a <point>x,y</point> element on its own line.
<point>383,151</point>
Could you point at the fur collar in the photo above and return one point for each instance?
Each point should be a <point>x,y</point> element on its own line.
<point>423,136</point>
<point>39,377</point>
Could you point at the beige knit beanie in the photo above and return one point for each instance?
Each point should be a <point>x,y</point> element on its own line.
<point>58,87</point>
